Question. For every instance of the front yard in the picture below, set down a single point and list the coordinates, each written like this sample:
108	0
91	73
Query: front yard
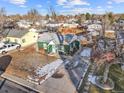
117	75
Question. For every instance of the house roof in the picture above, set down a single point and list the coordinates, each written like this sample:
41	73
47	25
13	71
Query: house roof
72	30
120	35
109	31
47	37
69	38
16	32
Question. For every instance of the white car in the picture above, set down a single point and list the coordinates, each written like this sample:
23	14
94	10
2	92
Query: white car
9	47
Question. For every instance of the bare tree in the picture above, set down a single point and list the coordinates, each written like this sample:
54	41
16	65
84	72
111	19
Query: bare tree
33	15
88	16
111	18
53	13
2	17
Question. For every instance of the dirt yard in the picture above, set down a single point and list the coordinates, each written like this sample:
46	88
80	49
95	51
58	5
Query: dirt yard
24	62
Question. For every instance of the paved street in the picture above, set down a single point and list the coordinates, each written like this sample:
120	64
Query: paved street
10	87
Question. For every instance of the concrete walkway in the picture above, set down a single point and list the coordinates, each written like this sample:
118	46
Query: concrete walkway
22	82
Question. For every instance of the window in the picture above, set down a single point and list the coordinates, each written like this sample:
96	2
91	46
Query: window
8	40
23	40
16	40
45	46
74	45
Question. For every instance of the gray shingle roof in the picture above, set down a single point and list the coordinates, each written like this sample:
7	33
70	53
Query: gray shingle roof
18	33
47	37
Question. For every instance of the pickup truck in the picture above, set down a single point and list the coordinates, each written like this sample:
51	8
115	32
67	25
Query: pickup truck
9	47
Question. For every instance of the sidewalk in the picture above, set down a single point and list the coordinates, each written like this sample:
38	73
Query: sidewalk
23	82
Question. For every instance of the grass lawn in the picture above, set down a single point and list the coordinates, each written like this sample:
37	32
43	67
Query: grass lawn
117	75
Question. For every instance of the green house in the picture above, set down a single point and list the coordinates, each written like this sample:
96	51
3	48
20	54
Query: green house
50	43
70	44
71	47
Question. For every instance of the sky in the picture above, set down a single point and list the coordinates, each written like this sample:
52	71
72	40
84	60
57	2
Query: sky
63	6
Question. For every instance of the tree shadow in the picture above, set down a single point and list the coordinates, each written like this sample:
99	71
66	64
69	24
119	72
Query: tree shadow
58	75
4	63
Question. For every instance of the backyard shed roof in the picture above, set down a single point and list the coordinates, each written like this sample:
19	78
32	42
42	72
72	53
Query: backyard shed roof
47	37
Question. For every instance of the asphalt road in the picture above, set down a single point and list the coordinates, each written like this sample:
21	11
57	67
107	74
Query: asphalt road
11	87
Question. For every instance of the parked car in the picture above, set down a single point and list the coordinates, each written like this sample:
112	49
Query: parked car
2	44
9	47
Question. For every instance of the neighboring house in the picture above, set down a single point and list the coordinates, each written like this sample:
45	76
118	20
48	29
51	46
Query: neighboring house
53	24
110	34
24	24
43	22
70	25
72	20
84	40
51	43
71	44
95	26
93	32
33	30
37	23
88	22
97	22
23	37
74	31
119	25
120	37
92	22
40	30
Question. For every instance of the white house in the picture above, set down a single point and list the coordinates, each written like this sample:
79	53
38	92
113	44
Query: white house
72	20
53	24
95	26
70	25
93	32
33	30
43	22
92	22
24	24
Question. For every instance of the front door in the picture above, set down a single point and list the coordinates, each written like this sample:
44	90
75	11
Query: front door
49	49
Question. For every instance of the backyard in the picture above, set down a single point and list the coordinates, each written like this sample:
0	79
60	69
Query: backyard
24	62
